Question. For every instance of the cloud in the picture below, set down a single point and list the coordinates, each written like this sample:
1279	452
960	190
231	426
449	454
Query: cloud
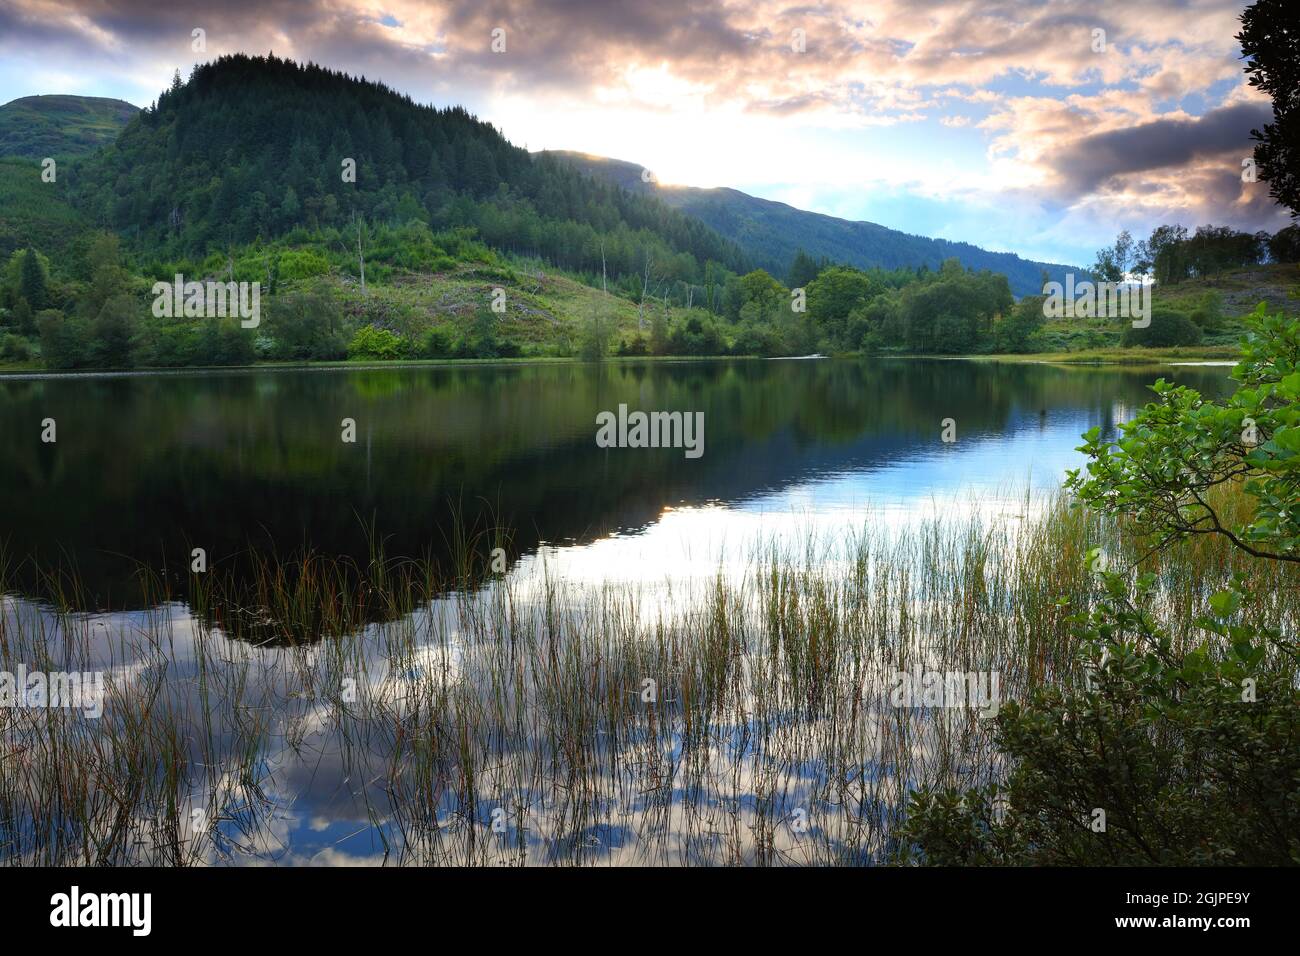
1091	162
1156	116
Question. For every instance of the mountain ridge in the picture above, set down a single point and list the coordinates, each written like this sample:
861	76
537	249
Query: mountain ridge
773	232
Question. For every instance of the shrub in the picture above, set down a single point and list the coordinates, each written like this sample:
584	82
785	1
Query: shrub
437	342
1166	329
15	348
1208	314
302	264
1158	758
370	342
636	344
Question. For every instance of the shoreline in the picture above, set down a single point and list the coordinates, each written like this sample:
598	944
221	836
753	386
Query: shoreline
1225	356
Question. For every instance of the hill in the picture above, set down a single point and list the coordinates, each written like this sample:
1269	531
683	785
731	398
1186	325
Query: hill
35	213
253	147
376	228
34	127
773	232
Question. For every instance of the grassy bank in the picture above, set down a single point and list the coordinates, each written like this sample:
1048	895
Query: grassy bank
1119	355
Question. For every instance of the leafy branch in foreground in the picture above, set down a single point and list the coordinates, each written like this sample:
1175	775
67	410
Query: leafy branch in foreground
1168	458
1160	757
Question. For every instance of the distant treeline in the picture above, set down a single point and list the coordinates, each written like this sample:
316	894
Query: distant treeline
1171	255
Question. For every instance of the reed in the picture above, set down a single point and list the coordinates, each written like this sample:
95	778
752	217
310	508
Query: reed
397	712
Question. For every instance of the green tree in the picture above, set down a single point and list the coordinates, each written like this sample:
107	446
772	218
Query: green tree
803	269
1270	42
113	333
483	341
1114	262
32	284
1167	460
1014	332
658	332
305	325
833	295
108	275
593	342
762	293
64	340
23	318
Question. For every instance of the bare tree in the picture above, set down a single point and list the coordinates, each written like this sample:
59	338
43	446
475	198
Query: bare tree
646	291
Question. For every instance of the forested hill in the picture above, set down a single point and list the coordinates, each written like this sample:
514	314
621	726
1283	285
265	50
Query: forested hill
772	232
252	147
35	127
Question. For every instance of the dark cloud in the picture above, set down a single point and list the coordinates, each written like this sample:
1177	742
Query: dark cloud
1088	164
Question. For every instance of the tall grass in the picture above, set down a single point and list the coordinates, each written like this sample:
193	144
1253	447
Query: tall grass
390	713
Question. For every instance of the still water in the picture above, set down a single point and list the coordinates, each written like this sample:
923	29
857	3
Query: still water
476	742
146	468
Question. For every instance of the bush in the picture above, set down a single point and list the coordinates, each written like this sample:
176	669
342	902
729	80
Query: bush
755	339
635	345
1166	330
1208	314
302	264
64	340
15	348
696	335
437	342
370	342
304	325
225	342
1158	758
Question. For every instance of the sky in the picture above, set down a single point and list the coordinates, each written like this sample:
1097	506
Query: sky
1041	128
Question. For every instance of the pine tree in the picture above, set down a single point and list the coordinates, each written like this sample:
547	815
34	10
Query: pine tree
32	286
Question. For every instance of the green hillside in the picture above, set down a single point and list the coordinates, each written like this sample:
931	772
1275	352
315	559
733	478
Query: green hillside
38	126
449	242
252	147
772	232
34	212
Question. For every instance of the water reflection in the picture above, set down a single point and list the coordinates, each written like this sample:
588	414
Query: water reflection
509	723
148	467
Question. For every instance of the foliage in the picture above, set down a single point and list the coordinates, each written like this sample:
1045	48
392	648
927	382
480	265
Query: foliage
1115	262
38	126
1284	246
1179	447
1162	757
370	342
304	325
1016	330
955	311
1171	256
1167	328
1270	41
15	348
214	163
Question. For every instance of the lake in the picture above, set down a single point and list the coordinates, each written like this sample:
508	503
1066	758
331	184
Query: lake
640	679
147	467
